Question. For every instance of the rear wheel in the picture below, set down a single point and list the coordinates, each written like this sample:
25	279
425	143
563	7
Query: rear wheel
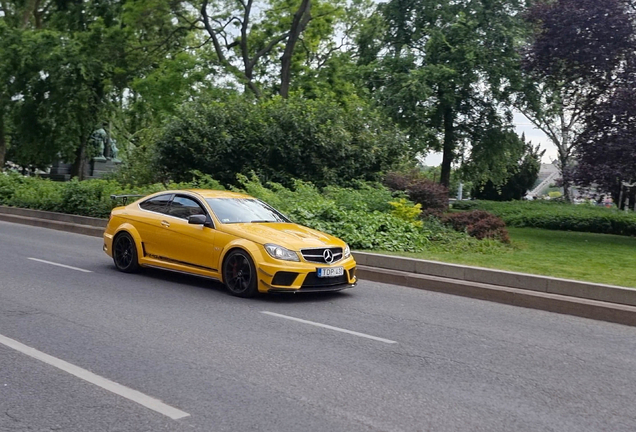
125	253
239	274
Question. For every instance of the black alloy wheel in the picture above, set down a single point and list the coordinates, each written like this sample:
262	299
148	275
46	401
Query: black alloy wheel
239	274
125	253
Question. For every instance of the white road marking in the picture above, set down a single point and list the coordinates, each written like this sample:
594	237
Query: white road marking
118	389
60	265
375	338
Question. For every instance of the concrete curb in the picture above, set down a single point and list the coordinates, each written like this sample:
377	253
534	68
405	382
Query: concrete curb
596	301
567	305
58	221
544	284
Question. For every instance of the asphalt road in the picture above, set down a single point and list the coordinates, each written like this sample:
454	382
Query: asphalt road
413	360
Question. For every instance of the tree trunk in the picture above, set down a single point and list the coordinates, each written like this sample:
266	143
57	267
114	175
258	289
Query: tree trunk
449	146
3	143
301	18
80	164
564	160
632	198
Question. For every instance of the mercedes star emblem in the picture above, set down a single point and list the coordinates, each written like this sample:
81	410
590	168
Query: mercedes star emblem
328	256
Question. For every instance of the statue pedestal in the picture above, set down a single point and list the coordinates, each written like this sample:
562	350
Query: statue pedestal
102	167
60	171
97	168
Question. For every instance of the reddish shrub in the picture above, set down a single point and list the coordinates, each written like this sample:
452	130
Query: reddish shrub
432	196
479	224
397	181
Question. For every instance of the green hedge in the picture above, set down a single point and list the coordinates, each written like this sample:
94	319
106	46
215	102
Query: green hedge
557	216
363	217
85	198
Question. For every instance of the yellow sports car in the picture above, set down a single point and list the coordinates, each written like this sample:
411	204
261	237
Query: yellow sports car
228	236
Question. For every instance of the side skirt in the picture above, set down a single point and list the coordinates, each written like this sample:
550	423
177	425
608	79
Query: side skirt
180	272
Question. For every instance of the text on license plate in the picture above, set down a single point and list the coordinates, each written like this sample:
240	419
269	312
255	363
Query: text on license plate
325	272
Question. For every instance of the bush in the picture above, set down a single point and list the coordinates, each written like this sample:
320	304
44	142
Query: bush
366	218
397	181
560	216
365	196
361	226
433	197
29	192
479	224
318	141
84	198
406	210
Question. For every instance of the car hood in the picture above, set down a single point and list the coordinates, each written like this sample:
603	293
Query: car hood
288	235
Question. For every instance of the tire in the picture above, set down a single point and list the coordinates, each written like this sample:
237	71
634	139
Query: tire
239	274
125	253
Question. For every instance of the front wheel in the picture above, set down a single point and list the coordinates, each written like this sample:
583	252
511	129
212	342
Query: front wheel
239	274
125	253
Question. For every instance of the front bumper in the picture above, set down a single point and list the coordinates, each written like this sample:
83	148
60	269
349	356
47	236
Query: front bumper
302	277
312	289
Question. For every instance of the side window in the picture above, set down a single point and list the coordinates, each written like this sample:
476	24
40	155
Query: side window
183	207
157	204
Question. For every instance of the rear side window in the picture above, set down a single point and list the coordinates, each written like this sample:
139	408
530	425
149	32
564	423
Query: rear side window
158	204
184	207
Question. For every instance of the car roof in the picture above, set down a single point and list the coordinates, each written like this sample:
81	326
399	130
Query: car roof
211	193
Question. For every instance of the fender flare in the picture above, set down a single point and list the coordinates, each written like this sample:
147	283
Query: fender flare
130	229
245	245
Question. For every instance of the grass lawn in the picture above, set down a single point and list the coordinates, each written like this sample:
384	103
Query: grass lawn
589	257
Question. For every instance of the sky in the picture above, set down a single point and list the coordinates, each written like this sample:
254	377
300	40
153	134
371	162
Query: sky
523	125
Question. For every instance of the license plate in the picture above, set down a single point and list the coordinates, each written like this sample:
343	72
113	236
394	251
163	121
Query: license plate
325	272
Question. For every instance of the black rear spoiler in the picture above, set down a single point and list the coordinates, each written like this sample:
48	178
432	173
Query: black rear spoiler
124	198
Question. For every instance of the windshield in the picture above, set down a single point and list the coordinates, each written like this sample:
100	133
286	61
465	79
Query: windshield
242	210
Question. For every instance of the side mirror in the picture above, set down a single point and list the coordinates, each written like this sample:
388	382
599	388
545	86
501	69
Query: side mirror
200	219
197	219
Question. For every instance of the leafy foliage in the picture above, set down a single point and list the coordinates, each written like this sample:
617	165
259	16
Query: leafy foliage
362	228
557	216
580	39
360	221
478	223
432	197
518	170
406	210
607	145
577	50
312	140
85	198
442	68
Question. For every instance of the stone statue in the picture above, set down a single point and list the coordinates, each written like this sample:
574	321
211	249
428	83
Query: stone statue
104	147
98	141
114	151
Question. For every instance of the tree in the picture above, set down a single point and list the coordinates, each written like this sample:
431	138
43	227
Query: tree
76	61
606	148
445	70
577	48
280	140
508	174
9	40
246	35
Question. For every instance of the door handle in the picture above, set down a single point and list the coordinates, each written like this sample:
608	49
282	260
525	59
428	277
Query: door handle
165	224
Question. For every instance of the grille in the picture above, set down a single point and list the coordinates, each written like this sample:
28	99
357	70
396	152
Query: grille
317	255
313	281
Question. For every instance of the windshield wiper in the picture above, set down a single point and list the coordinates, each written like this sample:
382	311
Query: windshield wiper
263	221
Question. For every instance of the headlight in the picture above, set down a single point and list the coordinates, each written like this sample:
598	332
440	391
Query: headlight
281	253
347	251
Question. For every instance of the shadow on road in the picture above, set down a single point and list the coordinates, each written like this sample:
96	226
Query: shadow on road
194	281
